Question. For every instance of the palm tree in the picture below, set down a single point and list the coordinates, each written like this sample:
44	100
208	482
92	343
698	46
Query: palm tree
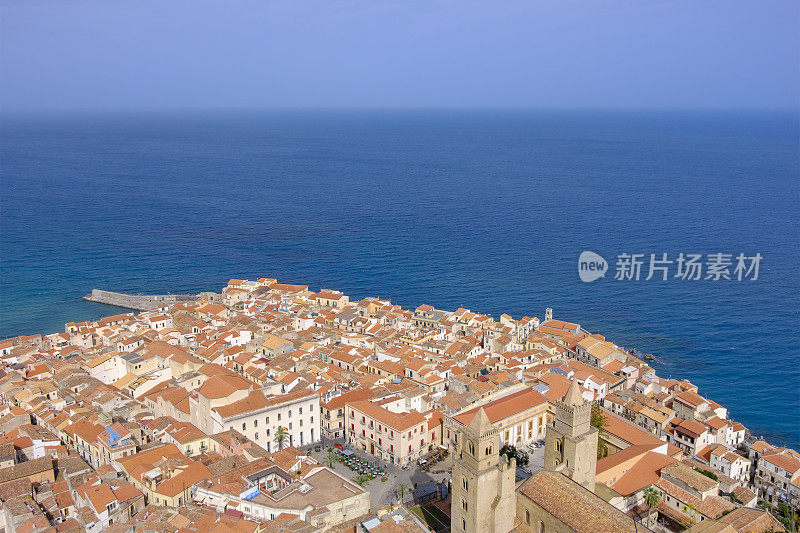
361	479
280	436
331	459
651	499
401	491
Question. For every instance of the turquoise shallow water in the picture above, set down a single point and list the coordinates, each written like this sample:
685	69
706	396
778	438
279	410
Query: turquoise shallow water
477	209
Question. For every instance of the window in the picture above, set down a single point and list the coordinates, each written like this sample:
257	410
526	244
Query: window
290	413
301	422
471	448
279	417
256	435
244	426
463	504
267	420
300	411
312	420
527	517
464	484
541	526
290	425
255	423
311	407
463	524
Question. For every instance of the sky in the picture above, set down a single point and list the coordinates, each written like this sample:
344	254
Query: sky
554	54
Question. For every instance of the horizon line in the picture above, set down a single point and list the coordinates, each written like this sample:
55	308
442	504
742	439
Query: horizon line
29	112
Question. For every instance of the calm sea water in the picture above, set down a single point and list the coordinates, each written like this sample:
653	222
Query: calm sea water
484	210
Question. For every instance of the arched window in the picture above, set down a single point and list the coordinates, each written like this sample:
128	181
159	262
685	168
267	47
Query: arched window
463	504
541	526
489	450
527	517
464	524
471	448
465	484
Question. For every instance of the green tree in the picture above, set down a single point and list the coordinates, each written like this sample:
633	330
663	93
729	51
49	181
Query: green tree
511	451
598	420
361	479
786	516
691	519
331	458
281	435
401	490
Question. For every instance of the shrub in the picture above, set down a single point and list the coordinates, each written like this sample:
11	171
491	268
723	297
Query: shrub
707	473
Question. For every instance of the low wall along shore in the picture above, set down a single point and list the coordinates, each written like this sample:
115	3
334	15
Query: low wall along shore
138	302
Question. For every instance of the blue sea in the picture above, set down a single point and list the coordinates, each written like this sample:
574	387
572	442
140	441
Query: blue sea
485	210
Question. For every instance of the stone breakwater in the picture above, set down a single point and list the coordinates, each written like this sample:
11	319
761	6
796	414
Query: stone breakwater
139	302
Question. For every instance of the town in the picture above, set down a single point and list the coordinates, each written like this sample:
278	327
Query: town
268	407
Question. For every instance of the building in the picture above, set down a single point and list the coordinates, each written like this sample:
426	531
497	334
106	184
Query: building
549	502
258	416
571	441
381	429
520	418
163	474
777	476
263	491
483	495
333	412
483	498
730	463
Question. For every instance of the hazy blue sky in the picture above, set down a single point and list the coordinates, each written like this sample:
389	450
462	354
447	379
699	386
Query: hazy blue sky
106	54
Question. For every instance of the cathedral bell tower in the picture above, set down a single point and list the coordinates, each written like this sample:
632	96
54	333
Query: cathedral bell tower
483	497
571	441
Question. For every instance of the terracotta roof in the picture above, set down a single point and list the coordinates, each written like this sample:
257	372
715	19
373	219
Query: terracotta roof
396	421
505	407
574	506
257	400
342	399
223	385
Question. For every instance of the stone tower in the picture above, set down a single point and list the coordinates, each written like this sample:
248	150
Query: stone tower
483	497
548	314
571	441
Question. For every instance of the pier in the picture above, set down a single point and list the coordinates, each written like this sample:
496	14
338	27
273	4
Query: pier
139	302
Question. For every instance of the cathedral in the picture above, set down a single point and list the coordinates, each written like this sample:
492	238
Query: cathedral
558	499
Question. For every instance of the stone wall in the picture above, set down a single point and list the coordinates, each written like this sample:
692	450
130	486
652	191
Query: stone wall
139	302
